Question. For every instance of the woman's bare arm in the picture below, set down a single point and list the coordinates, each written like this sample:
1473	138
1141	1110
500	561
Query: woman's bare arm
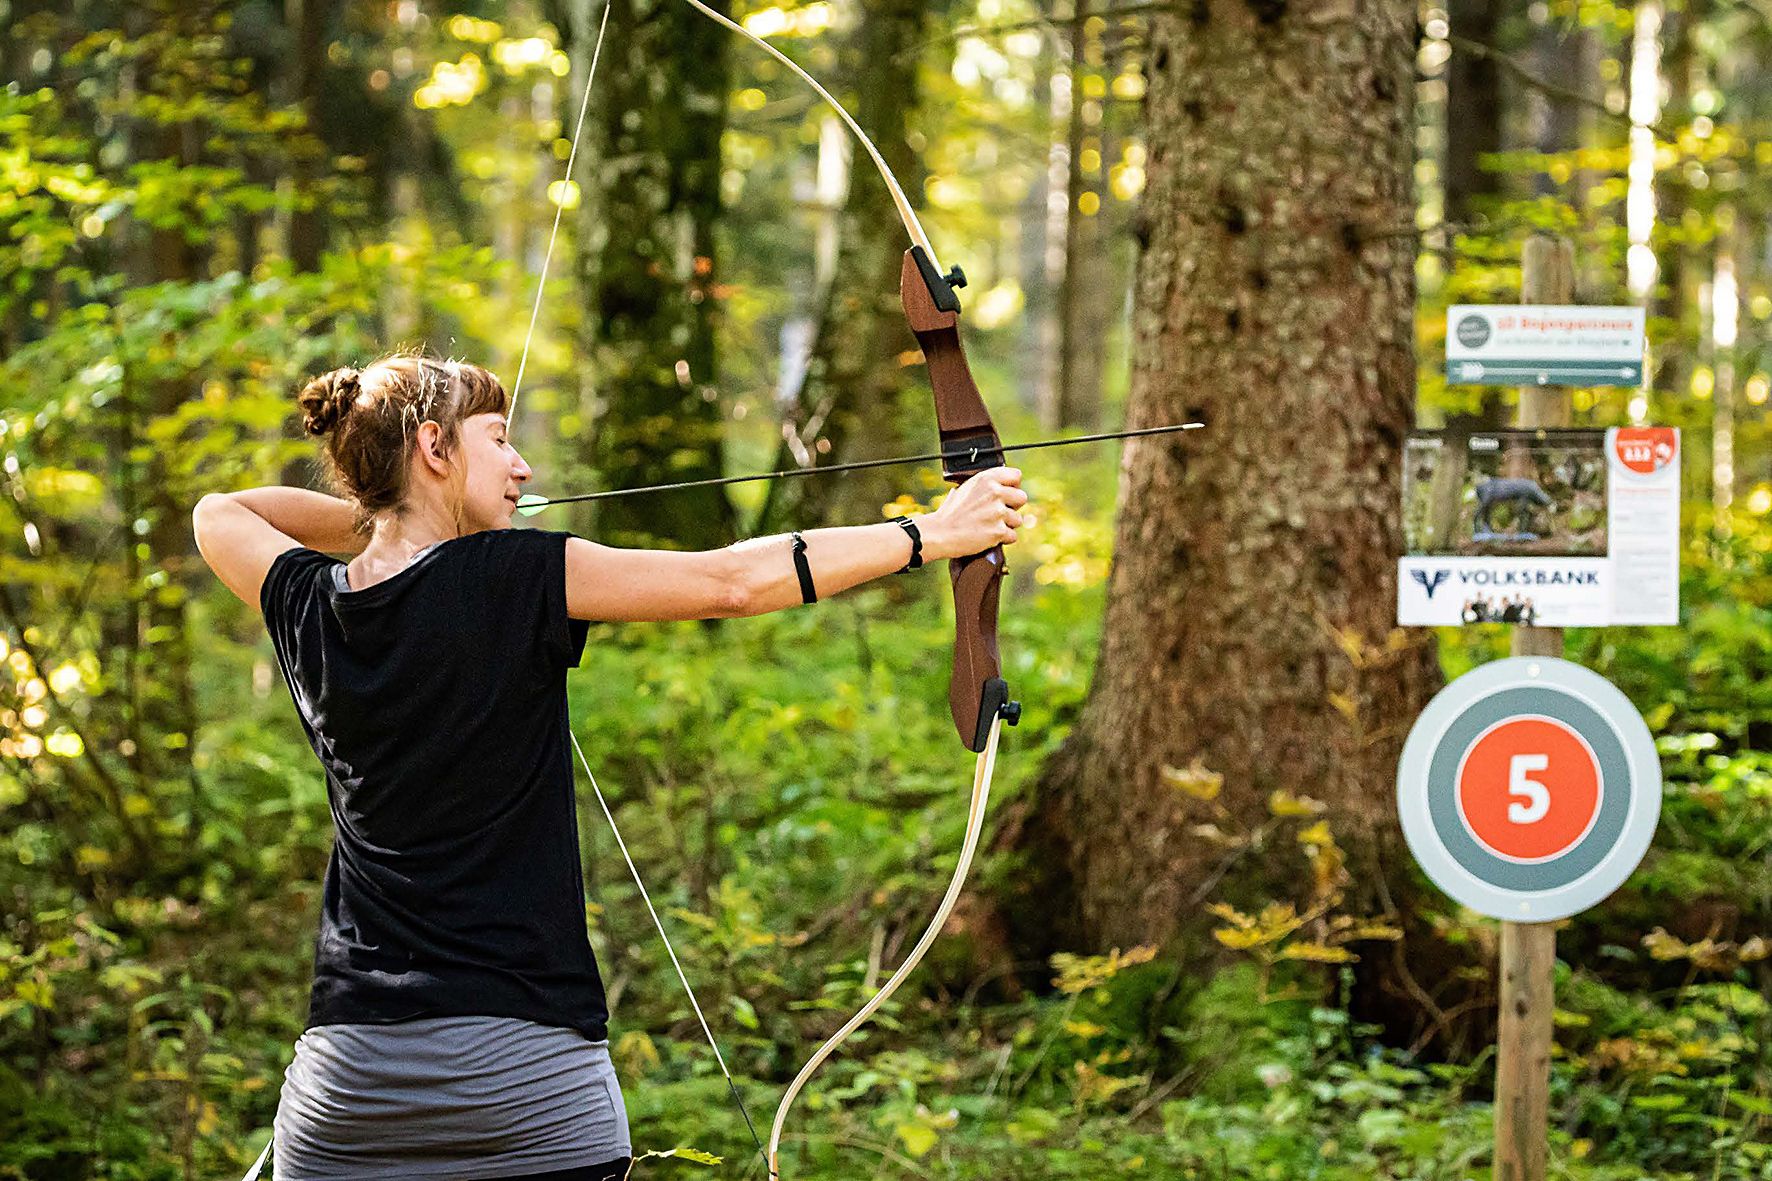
241	533
757	576
749	578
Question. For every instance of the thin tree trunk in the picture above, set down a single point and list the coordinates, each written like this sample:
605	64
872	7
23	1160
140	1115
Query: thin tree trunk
1725	319
1680	259
1473	111
1088	271
164	255
651	271
309	19
1036	357
1561	127
1555	121
1474	114
846	405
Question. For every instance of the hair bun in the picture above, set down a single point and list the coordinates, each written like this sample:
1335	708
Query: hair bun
327	398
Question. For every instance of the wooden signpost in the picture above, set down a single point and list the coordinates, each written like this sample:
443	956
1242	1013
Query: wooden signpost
1529	950
1528	790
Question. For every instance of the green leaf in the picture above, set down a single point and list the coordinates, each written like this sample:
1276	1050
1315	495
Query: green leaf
744	1012
918	1138
688	1154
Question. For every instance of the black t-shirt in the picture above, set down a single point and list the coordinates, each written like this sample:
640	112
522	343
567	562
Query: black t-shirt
436	701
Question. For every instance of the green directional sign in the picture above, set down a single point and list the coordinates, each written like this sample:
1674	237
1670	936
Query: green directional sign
1544	344
1583	373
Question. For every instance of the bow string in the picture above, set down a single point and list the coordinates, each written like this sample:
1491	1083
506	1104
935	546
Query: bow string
583	762
978	696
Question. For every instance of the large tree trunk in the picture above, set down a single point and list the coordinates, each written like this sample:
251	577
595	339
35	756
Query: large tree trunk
1274	300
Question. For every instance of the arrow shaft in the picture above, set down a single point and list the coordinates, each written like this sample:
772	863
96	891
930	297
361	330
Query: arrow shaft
854	466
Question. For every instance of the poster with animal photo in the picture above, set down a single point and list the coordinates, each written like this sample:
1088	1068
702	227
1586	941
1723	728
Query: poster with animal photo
1553	528
1526	493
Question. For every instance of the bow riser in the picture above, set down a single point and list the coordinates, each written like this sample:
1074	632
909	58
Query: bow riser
977	694
969	441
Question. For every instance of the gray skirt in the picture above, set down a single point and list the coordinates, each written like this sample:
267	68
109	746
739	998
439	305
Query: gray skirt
447	1098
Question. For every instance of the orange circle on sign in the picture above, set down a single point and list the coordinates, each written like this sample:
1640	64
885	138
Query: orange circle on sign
1529	788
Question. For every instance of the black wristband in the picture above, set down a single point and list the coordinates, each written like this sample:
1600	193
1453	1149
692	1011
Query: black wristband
808	594
910	527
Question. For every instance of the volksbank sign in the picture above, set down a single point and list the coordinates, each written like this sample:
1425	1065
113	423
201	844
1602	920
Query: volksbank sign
1533	576
1435	590
1544	344
1432	579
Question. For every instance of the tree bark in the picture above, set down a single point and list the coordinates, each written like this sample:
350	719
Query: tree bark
1038	248
1553	121
309	20
1272	303
162	254
1474	114
1680	254
1088	269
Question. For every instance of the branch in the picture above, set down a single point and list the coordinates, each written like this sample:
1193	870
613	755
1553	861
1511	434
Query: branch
1475	48
1042	23
1157	1096
885	1152
77	605
109	788
1528	78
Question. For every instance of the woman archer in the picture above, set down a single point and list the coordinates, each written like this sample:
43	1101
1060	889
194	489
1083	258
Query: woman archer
457	1026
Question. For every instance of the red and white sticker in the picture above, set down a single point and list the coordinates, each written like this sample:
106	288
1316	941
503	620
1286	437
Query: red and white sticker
1645	450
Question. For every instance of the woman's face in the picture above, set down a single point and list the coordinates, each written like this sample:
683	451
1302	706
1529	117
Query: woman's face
493	473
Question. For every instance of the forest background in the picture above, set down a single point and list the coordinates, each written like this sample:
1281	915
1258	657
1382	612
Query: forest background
1194	947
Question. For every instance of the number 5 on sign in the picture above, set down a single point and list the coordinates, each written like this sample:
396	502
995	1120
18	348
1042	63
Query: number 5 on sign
1504	788
1520	784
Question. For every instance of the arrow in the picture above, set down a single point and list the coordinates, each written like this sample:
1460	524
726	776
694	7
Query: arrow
532	504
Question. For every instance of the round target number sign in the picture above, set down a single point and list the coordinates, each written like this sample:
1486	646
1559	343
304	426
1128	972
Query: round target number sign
1529	789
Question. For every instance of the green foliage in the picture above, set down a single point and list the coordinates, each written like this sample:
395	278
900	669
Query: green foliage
1668	1081
789	785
